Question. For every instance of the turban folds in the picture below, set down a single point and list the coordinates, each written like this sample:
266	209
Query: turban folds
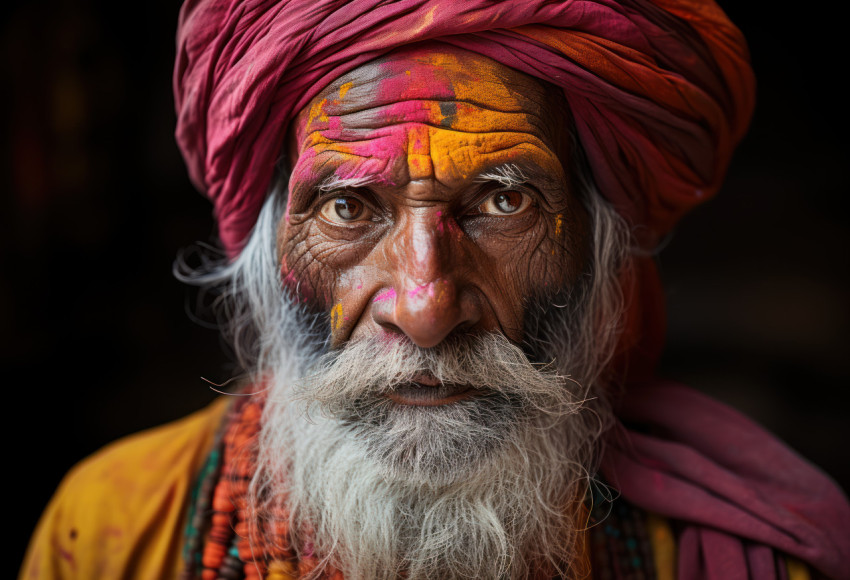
660	91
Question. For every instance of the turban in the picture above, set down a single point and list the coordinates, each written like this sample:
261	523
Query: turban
660	91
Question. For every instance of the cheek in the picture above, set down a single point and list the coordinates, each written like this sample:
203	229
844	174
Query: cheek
304	273
541	258
317	266
561	254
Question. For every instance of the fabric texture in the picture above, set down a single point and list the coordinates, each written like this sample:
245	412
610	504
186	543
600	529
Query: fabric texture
660	91
738	492
121	512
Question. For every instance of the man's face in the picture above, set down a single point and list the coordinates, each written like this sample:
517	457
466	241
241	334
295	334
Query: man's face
428	197
430	215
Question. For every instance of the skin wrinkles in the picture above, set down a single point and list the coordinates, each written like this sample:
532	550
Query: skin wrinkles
419	128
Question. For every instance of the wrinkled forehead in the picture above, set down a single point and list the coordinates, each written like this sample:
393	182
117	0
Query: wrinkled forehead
439	85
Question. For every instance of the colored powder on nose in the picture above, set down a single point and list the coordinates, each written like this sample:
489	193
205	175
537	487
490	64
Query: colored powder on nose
386	295
416	291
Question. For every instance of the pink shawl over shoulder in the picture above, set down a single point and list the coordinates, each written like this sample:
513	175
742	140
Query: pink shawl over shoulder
739	490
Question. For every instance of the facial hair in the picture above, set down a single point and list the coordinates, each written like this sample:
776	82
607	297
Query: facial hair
487	487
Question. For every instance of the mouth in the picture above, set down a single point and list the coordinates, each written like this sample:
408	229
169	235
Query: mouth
427	391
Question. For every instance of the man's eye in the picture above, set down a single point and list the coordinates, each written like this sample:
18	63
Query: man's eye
345	209
505	203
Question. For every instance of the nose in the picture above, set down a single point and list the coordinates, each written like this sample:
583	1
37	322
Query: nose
430	298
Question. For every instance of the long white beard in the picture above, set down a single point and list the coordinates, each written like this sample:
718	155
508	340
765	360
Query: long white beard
441	492
488	487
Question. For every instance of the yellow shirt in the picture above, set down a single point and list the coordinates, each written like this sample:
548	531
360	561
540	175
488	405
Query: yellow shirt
121	512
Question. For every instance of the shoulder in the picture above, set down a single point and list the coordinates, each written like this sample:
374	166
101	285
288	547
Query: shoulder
627	541
738	494
120	509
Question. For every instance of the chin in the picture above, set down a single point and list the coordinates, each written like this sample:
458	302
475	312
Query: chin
435	445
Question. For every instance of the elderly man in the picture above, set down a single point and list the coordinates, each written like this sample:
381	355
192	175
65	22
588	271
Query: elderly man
438	218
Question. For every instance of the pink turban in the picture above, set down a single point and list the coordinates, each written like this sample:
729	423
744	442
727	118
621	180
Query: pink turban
661	90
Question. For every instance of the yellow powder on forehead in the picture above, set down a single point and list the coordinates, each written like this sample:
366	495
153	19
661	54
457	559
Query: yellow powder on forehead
478	80
470	78
458	156
441	60
344	89
419	163
317	111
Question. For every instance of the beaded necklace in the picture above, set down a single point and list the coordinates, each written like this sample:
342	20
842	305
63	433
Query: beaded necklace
222	541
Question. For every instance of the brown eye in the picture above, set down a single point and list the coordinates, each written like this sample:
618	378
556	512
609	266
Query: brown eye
348	208
345	209
505	203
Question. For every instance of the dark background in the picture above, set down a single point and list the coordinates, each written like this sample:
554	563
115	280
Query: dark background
94	334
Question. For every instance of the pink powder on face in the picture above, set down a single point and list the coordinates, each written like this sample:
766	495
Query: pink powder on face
405	80
415	292
386	295
289	280
455	230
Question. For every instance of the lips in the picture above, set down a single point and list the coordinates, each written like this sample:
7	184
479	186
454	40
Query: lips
427	391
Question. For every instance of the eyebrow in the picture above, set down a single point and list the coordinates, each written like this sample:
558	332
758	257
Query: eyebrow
333	182
508	175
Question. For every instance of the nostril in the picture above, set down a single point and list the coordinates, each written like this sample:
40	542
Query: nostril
390	327
464	327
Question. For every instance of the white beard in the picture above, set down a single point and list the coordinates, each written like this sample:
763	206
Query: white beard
431	492
488	487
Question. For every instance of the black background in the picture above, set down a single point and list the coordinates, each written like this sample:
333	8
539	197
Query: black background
94	334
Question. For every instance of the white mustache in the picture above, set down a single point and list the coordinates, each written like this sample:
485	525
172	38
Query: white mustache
369	369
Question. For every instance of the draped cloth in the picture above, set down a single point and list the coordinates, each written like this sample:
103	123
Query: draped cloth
736	488
660	91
